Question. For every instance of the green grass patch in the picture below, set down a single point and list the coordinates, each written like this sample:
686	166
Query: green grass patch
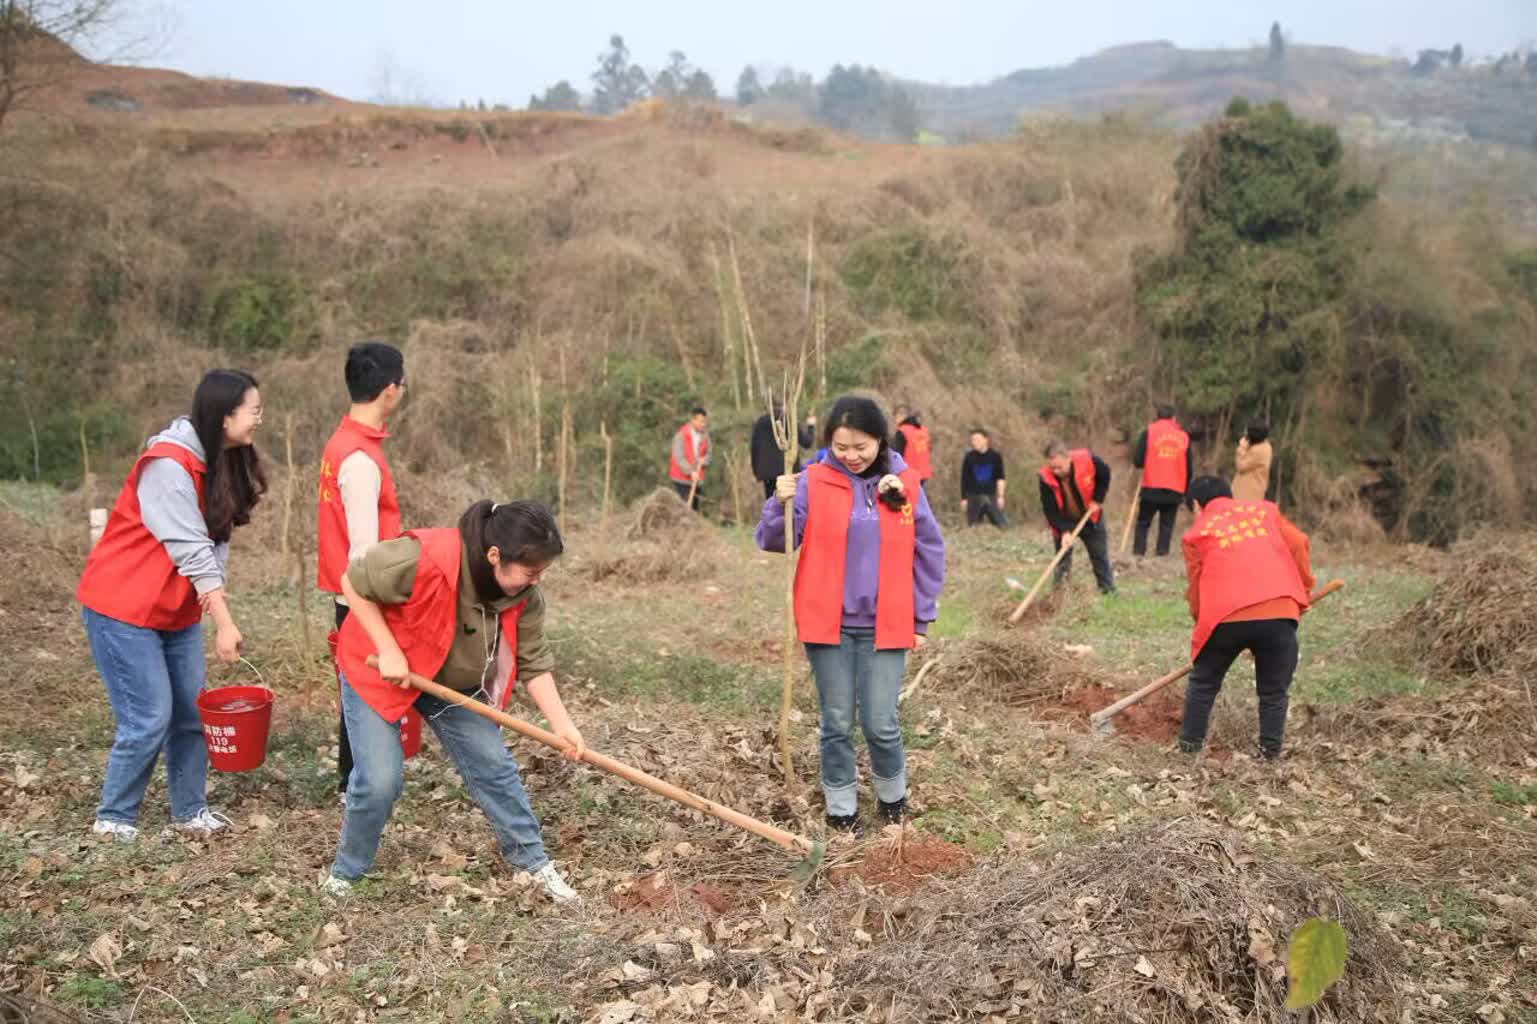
89	991
688	677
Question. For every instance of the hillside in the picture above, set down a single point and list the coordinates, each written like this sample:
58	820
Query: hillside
1182	88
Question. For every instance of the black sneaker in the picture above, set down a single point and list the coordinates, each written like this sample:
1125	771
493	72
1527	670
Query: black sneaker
1191	746
892	813
843	822
1269	755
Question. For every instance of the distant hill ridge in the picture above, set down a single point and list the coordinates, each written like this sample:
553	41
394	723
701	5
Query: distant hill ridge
1182	88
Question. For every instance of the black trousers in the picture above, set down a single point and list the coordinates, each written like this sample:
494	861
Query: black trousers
985	506
684	488
1097	541
343	743
1166	514
1274	644
768	490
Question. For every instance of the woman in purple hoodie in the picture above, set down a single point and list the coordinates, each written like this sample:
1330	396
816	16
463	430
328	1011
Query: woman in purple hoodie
866	589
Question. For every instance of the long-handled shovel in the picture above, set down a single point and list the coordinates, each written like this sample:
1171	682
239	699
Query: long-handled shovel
814	851
1101	720
1066	546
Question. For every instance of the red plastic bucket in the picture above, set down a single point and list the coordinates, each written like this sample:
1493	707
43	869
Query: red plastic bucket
410	726
236	720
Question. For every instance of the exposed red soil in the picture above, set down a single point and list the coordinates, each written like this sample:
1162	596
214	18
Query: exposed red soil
656	890
898	869
1156	719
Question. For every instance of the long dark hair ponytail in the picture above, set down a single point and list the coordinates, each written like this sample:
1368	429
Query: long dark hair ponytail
235	482
524	533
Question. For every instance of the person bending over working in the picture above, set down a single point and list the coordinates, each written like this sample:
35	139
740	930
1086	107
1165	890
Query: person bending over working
1075	482
1249	578
159	567
462	606
872	564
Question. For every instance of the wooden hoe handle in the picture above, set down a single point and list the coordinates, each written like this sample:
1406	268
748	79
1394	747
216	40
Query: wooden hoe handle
1062	550
1127	701
677	794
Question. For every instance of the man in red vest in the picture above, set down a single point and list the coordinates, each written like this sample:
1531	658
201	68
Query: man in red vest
690	455
913	443
1074	482
1249	579
1163	454
358	504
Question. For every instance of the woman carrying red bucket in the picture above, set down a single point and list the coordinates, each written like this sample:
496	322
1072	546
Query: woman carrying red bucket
158	568
462	606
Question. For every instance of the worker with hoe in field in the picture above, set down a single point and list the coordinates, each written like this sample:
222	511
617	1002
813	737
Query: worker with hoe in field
462	606
1249	577
358	506
1163	454
1074	482
158	569
867	587
1252	481
983	485
690	455
768	461
913	443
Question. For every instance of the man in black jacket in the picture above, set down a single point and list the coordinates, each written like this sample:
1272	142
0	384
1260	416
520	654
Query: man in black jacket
983	486
768	462
1074	483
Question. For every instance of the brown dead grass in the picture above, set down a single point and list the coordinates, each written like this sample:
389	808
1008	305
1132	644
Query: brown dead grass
1481	619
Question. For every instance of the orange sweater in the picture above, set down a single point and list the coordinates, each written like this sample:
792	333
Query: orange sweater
1278	608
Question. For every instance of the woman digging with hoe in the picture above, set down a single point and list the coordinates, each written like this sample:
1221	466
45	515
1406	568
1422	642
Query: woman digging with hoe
462	606
157	570
866	589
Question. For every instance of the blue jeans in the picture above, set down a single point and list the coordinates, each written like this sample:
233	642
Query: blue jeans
377	778
153	678
852	675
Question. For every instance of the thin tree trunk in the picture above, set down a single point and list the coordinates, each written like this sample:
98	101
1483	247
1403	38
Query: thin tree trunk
288	493
608	470
538	417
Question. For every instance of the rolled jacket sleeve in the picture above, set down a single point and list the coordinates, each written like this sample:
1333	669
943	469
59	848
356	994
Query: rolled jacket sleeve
386	572
535	655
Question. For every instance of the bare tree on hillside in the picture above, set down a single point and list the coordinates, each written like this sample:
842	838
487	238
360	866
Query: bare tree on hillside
40	42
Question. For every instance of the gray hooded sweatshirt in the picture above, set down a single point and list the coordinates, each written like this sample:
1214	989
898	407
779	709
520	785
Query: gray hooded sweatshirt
169	507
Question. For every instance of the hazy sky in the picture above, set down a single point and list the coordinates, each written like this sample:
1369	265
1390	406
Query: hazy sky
502	51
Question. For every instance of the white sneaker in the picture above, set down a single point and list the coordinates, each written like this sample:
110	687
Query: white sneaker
554	886
117	830
207	823
336	888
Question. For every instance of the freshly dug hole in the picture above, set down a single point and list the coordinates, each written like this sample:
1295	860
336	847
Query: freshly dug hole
1481	619
1176	922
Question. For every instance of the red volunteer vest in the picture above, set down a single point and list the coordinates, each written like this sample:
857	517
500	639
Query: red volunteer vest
677	471
824	560
1244	561
1083	475
423	626
351	436
1165	466
920	450
129	575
